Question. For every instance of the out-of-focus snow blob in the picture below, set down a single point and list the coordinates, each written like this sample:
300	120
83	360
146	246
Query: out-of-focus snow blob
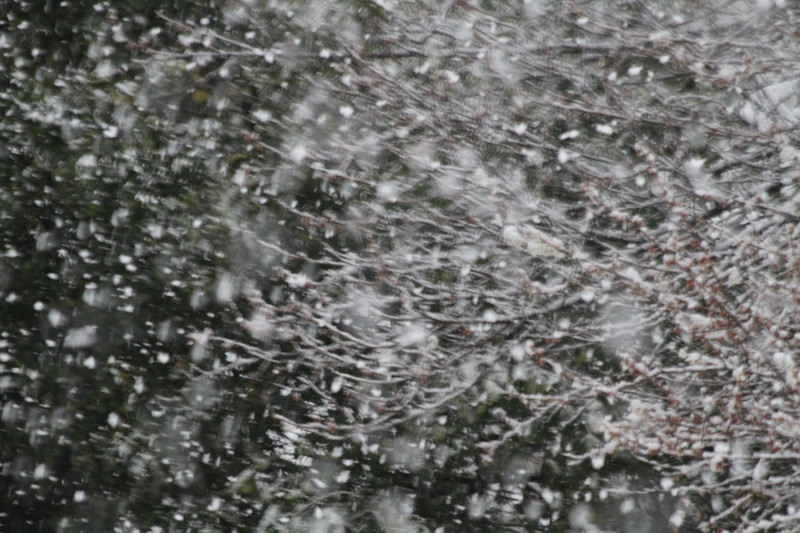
387	192
298	153
533	241
78	338
200	340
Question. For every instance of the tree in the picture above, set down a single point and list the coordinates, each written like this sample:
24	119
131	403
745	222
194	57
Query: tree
412	266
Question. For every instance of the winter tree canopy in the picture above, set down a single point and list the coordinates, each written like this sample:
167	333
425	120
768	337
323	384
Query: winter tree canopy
380	265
